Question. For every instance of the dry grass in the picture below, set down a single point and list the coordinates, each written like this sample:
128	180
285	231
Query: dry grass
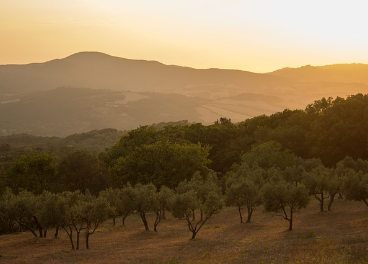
339	236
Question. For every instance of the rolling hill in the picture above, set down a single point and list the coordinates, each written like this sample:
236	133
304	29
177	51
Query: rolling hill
91	90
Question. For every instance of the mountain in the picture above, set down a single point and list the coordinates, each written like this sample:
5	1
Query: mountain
101	71
336	73
91	90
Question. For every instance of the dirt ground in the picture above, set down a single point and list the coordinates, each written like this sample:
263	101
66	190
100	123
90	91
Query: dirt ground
339	236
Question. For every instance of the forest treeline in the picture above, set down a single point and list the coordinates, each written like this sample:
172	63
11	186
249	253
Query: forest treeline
278	161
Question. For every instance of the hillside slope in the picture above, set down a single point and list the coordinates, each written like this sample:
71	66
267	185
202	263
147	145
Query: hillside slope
40	98
333	237
101	71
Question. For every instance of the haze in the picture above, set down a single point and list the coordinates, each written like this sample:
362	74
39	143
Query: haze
257	36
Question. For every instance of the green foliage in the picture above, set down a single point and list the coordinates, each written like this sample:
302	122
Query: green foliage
243	188
318	182
146	200
24	210
113	198
94	213
349	163
355	186
354	174
284	199
269	154
162	204
81	170
7	222
34	172
53	210
339	128
200	195
127	201
162	163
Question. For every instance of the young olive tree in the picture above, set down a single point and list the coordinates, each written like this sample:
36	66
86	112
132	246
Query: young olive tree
284	199
94	212
73	220
112	196
146	201
335	184
24	209
53	211
317	182
127	202
355	186
202	196
161	204
243	188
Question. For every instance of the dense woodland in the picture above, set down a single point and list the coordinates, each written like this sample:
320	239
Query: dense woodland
279	162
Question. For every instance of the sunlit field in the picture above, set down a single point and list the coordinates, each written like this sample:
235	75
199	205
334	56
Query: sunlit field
339	236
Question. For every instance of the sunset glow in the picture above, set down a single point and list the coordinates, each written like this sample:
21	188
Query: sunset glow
258	36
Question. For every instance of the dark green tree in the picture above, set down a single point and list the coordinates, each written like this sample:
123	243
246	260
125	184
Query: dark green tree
162	163
34	172
81	170
338	129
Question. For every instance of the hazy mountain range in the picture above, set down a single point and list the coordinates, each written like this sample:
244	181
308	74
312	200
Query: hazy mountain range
91	90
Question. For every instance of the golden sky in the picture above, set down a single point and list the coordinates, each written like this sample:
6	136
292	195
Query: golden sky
253	35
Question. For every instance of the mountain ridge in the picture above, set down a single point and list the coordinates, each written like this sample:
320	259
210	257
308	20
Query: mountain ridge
115	73
93	90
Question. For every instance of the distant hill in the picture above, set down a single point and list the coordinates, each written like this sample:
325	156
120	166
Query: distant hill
336	73
41	98
101	71
64	111
97	140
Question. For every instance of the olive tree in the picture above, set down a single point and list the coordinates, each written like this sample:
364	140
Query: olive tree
317	182
355	186
94	212
112	196
127	202
284	199
72	219
24	209
161	204
52	211
146	200
243	188
197	201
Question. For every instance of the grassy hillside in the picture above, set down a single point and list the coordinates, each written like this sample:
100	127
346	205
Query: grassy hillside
339	236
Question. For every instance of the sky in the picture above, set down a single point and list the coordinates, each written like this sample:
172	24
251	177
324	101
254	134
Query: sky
251	35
